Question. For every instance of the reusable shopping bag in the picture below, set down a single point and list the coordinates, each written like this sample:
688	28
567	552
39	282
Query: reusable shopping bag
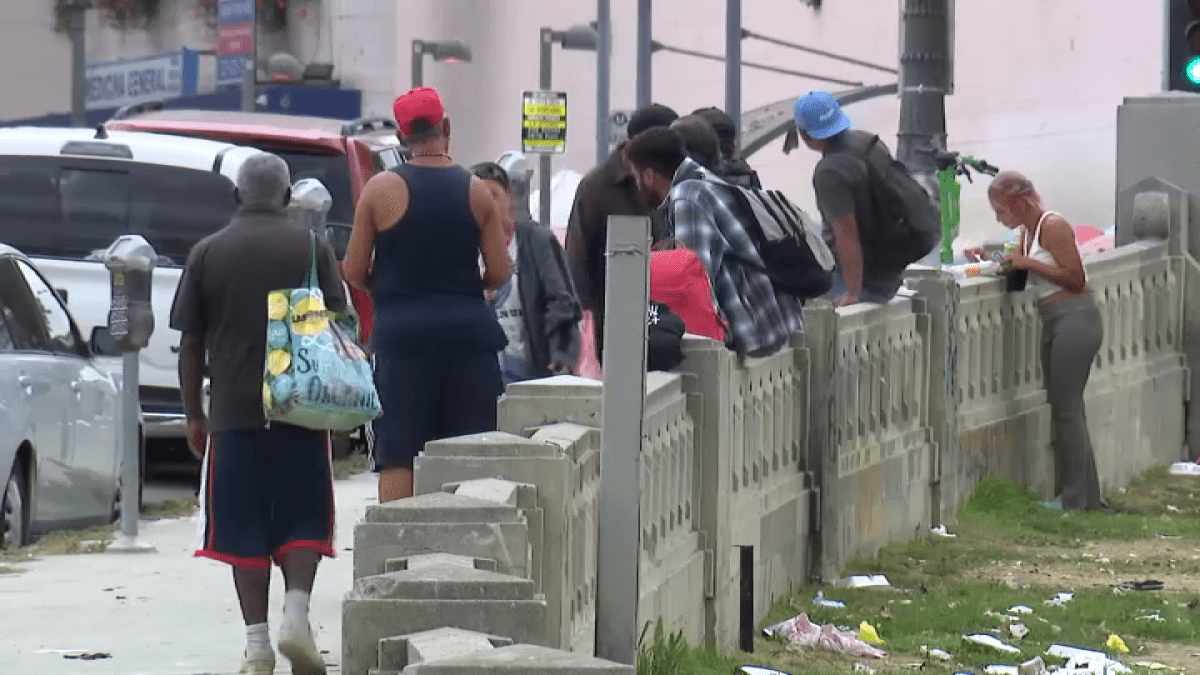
315	375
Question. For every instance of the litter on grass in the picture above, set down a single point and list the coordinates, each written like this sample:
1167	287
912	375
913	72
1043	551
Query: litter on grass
1002	670
1020	609
821	601
940	531
1185	469
1017	630
799	631
865	581
993	642
868	634
1086	661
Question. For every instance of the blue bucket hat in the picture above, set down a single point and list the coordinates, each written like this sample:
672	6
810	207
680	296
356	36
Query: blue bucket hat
819	115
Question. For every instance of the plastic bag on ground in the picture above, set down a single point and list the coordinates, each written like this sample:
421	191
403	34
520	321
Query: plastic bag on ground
799	631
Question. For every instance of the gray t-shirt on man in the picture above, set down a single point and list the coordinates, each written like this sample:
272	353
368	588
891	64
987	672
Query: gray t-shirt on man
223	295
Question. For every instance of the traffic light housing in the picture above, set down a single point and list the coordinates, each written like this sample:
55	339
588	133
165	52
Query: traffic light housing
1183	46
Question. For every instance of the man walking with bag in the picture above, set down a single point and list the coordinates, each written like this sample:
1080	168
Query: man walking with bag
267	491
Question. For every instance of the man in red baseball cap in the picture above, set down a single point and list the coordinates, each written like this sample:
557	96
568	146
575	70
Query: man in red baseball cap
419	230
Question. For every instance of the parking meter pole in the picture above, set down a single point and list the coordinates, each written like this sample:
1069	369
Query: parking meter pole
131	451
130	262
545	82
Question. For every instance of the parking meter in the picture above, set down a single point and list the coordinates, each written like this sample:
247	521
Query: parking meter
520	177
310	205
130	262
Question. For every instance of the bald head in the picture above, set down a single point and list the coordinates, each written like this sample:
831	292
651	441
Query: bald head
700	140
264	182
1011	184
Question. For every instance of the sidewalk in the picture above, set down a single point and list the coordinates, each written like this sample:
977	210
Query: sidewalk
162	613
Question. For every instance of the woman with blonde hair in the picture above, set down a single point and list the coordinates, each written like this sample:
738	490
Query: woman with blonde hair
1072	329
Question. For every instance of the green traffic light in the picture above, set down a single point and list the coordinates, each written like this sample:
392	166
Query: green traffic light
1192	70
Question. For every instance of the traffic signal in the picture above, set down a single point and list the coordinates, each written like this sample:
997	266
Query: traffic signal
1183	46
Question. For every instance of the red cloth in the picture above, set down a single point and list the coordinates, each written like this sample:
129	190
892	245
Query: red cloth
679	281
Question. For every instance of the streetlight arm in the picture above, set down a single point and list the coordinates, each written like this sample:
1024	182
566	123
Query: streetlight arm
658	46
818	52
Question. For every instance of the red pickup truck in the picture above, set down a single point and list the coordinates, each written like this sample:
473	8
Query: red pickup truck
342	154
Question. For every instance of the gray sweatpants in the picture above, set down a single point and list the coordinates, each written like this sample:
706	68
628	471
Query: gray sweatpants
1072	331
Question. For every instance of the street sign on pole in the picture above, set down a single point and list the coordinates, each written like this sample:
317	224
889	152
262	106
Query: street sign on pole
619	126
544	122
235	39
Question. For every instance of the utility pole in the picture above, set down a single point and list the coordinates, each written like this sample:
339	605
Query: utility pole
545	83
78	60
733	62
603	76
926	77
645	53
250	69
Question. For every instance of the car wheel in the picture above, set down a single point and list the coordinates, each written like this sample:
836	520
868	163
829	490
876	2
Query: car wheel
14	510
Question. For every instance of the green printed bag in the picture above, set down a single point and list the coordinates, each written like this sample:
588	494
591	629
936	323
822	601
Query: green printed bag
315	375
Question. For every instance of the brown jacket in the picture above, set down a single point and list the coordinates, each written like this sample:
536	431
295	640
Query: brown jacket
609	189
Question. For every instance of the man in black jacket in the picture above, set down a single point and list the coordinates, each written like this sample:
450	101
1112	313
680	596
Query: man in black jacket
733	168
538	307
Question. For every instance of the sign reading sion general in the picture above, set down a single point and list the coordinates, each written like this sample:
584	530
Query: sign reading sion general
114	84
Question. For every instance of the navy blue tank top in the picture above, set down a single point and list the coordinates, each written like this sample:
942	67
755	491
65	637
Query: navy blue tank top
428	285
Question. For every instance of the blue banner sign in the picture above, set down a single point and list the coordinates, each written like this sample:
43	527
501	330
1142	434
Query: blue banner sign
113	84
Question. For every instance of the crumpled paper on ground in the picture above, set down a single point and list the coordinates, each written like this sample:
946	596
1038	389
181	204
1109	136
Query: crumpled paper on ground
799	631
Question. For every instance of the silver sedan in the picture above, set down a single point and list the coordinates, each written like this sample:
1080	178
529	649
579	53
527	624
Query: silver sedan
59	464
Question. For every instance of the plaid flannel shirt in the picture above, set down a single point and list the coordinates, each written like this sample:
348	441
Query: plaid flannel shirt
704	216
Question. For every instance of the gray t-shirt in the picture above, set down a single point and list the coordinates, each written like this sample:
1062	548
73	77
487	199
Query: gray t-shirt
223	295
842	188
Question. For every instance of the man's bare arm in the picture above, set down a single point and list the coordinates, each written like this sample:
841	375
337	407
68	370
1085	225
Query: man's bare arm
848	248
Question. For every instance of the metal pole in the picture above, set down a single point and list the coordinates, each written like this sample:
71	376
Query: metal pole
250	69
924	78
925	60
645	53
78	62
619	545
733	61
545	161
603	74
418	64
131	461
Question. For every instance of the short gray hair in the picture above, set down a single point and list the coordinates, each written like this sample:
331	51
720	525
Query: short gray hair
263	181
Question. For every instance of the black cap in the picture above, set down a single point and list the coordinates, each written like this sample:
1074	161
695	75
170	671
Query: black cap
721	123
649	117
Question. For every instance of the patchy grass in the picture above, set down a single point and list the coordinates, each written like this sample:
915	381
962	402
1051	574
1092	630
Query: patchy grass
1010	550
170	509
354	464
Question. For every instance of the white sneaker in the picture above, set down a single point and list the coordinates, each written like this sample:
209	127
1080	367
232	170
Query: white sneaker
297	644
258	663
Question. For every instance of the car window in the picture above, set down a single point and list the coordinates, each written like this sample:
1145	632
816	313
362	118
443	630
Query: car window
75	208
7	344
59	328
21	315
332	170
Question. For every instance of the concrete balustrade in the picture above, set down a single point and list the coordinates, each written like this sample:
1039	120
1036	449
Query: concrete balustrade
874	425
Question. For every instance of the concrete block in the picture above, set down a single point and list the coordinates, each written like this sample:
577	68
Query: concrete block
497	490
396	653
521	660
490	444
440	507
366	621
506	543
444	583
413	562
440	522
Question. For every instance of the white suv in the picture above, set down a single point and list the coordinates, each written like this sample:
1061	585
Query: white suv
66	194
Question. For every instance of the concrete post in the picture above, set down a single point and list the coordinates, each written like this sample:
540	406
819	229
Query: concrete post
820	338
925	60
645	53
603	75
733	62
545	163
937	298
620	465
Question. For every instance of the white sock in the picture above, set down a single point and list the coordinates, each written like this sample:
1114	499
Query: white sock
295	606
258	638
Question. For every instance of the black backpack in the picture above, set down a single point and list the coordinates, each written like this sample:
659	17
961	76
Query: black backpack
907	226
664	337
794	254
